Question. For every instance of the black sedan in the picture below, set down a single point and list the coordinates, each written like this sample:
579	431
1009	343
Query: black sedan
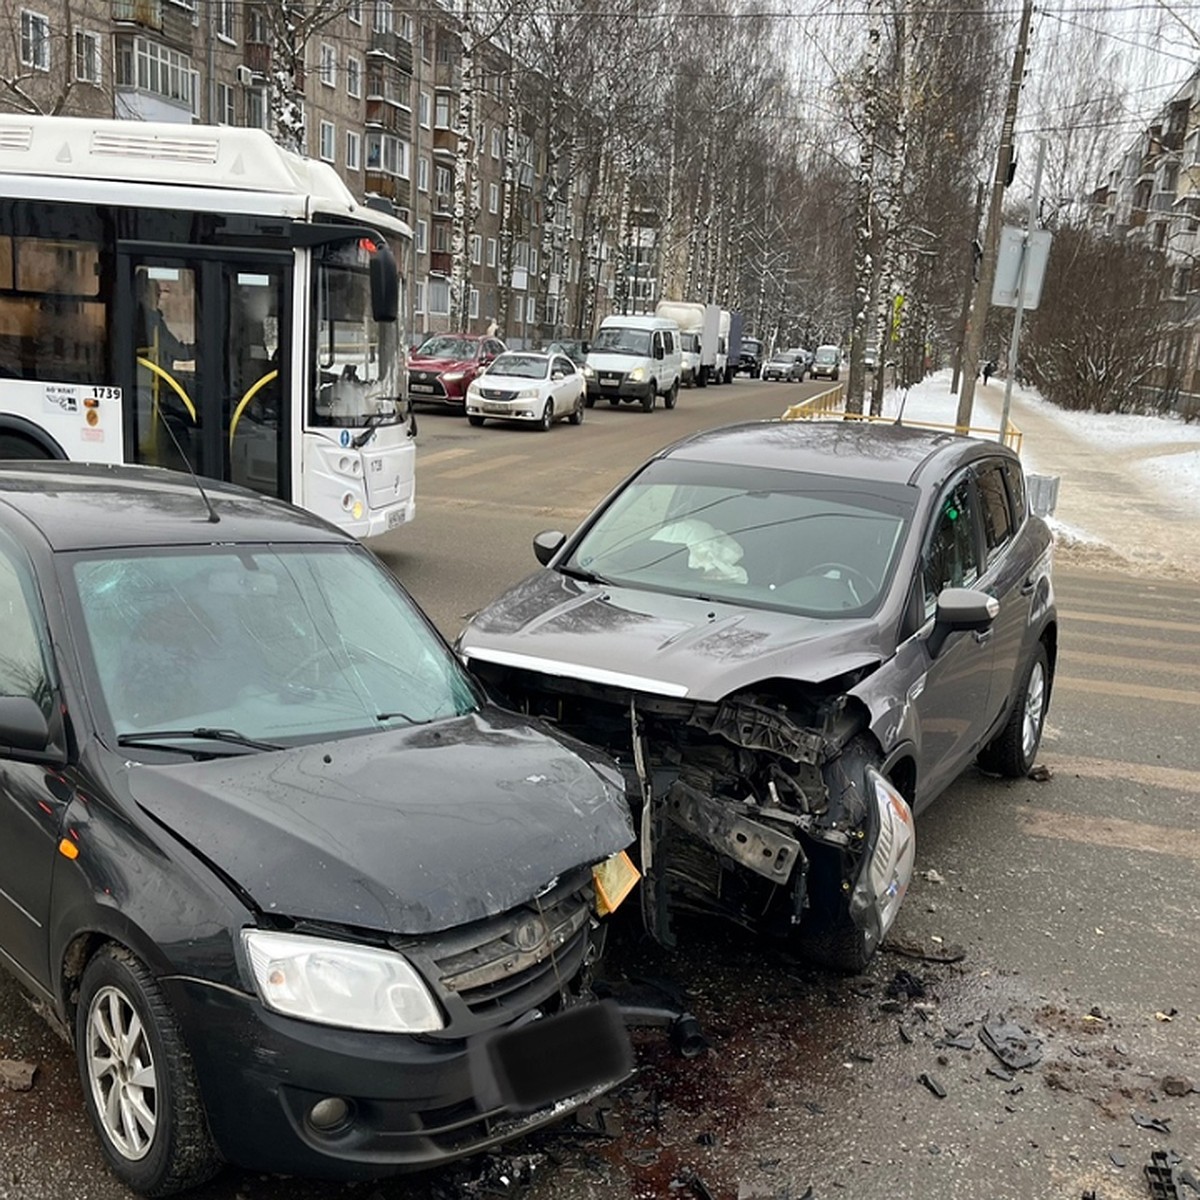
793	635
292	888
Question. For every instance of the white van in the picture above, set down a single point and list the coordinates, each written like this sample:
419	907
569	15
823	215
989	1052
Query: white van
632	360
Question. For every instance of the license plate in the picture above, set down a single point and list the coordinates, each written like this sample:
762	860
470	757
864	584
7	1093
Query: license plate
611	380
420	387
501	409
549	1060
395	518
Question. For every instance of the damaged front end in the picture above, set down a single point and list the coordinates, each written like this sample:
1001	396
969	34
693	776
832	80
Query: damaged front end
767	811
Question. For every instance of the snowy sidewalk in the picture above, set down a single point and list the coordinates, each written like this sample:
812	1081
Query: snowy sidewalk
1129	490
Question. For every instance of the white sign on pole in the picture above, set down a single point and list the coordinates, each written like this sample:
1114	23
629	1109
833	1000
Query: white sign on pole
1015	243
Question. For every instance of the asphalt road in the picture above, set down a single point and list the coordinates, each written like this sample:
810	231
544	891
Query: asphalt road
1073	902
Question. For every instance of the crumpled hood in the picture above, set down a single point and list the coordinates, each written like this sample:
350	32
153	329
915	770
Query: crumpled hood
408	831
664	644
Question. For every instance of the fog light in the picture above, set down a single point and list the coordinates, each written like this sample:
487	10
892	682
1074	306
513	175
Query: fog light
329	1114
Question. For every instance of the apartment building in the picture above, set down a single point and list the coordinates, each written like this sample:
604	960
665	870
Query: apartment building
378	87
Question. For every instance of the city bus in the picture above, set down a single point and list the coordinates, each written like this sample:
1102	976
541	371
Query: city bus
197	297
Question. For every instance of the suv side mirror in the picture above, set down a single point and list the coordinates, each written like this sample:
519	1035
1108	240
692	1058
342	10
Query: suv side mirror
961	609
22	725
547	544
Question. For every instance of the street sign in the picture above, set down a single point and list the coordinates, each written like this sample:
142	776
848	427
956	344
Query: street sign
1034	247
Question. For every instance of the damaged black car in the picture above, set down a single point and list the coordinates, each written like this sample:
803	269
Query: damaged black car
299	897
792	636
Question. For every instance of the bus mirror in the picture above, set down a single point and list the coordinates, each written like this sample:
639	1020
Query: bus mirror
385	285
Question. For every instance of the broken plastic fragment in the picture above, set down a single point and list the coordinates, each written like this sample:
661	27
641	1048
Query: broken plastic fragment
1013	1046
1157	1124
932	1084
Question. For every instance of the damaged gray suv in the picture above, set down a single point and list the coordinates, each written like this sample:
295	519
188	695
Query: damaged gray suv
792	636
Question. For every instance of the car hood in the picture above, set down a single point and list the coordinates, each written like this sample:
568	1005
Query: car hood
410	831
624	363
509	382
654	642
417	362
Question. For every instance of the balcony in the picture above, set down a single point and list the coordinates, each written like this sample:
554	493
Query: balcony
397	190
445	141
440	262
447	76
380	114
442	205
174	23
258	57
392	45
1162	201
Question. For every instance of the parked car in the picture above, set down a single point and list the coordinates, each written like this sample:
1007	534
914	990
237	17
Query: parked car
787	365
793	635
441	368
536	389
574	348
826	363
270	861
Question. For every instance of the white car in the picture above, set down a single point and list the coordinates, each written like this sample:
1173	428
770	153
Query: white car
537	389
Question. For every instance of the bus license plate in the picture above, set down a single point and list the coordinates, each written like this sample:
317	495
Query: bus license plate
395	518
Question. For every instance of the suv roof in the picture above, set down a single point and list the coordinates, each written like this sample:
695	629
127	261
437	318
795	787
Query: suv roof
86	506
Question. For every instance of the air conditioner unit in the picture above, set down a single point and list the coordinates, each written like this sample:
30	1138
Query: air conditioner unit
245	76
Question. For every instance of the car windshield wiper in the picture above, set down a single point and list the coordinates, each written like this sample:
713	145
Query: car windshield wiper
585	576
402	716
202	733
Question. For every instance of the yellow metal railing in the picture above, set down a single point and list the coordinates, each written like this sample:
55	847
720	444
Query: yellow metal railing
830	404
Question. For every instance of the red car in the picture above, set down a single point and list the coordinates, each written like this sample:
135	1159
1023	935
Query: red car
441	367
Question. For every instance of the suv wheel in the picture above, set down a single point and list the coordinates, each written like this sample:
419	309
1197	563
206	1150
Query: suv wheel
1012	751
650	396
673	395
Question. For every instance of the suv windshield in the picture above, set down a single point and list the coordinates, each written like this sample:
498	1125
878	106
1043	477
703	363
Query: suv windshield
275	643
358	360
522	366
621	340
807	544
826	354
451	349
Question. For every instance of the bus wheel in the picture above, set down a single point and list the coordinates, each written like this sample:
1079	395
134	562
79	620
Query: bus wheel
15	445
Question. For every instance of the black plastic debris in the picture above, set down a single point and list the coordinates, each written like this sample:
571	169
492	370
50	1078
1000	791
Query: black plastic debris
1015	1047
1001	1073
1156	1123
905	1036
688	1181
938	953
1117	1158
932	1084
956	1041
706	1139
1162	1175
906	984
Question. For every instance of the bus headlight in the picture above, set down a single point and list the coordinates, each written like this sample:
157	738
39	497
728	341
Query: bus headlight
353	505
349	465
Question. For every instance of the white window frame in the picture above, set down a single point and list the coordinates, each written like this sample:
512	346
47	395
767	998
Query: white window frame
491	252
35	40
354	76
424	109
353	151
419	296
327	141
226	113
493	197
421	237
440	287
87	50
383	19
327	71
497	144
223	21
354	12
473	304
476	249
530	310
438	121
422	174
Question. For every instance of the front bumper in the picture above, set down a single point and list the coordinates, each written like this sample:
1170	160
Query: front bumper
625	390
412	1103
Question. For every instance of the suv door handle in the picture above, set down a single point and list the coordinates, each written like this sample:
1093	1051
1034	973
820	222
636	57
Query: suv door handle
1028	586
983	635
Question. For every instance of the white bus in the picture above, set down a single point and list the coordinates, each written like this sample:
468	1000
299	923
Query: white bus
197	296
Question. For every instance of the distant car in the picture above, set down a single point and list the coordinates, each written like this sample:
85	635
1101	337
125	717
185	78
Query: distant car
269	858
793	635
787	365
869	361
574	348
826	363
750	359
534	389
441	368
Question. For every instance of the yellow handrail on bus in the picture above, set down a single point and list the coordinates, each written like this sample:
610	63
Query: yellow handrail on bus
250	394
155	369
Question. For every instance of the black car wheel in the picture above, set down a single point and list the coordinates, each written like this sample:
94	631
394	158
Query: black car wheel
589	400
547	417
1012	751
649	397
139	1084
673	395
615	401
576	417
474	419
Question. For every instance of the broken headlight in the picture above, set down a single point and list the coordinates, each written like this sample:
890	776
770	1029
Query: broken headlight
888	866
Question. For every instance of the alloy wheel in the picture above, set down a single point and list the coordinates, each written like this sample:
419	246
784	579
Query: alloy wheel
122	1074
1035	707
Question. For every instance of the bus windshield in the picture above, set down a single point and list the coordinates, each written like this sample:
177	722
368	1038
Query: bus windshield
356	380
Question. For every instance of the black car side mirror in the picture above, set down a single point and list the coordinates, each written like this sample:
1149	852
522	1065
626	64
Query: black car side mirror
22	725
960	610
547	544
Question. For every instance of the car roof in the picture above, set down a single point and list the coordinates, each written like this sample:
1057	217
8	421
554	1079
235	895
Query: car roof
887	453
90	506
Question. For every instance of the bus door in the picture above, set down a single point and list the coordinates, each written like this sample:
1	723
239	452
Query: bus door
204	352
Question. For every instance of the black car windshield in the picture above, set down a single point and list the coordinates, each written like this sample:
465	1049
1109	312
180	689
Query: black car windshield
623	340
452	349
810	544
269	644
521	366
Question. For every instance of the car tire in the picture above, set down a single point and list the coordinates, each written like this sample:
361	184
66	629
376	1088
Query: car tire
547	417
650	396
673	395
576	417
614	401
1012	751
474	419
118	993
589	401
702	378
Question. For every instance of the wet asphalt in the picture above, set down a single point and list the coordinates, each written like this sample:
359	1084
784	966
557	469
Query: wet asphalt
1068	905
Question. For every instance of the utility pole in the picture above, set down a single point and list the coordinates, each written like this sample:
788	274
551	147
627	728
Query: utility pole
991	244
968	288
1034	204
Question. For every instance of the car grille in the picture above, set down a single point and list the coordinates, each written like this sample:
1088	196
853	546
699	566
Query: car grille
495	394
492	971
425	383
610	379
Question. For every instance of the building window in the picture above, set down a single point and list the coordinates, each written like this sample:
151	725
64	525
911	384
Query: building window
441	237
35	40
427	43
149	67
328	72
439	297
87	57
327	143
476	249
423	107
423	175
497	143
491	259
388	153
532	261
443	181
493	198
421	241
353	150
419	296
223	19
473	304
530	310
353	77
354	11
256	25
226	113
383	19
406	27
441	111
256	108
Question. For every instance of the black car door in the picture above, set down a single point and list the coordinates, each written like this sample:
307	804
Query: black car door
30	810
951	699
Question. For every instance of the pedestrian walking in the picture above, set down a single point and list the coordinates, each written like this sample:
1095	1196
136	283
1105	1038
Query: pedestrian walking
989	369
